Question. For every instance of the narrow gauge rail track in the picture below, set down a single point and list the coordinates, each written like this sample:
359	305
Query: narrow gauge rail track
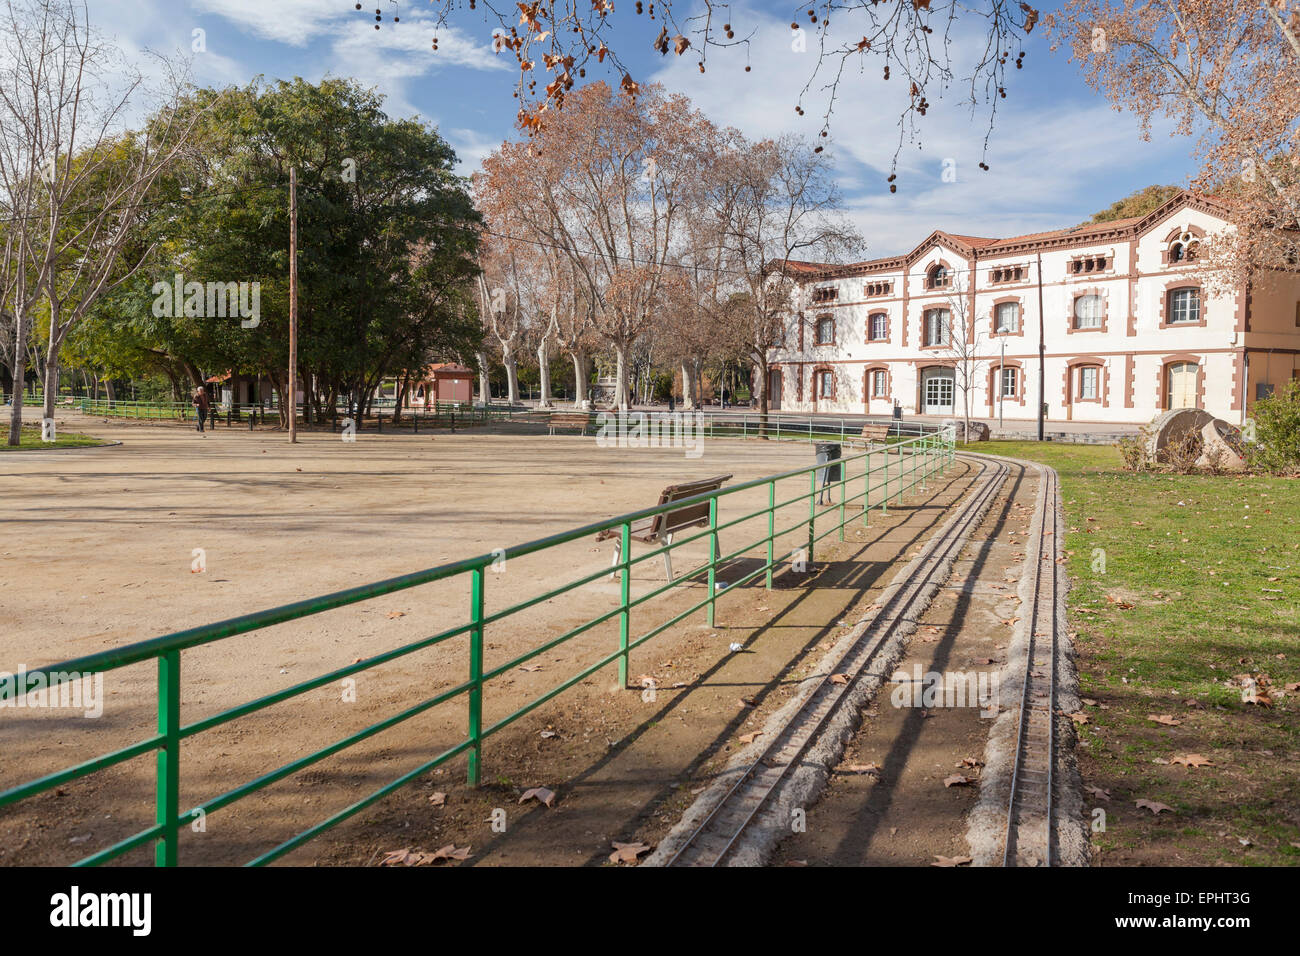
713	841
1031	805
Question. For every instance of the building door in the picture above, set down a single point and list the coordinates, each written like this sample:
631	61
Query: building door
937	391
774	386
1180	385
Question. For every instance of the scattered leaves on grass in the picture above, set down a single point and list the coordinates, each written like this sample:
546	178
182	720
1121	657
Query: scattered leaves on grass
541	794
1079	717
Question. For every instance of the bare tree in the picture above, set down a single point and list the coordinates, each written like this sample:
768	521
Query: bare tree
74	177
1227	71
786	207
963	346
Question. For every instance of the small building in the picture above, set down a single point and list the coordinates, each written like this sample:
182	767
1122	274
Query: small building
443	382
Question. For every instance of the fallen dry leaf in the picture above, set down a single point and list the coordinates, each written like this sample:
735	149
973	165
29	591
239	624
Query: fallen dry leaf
1099	793
393	614
869	768
1153	806
950	860
1191	760
956	780
628	852
750	738
839	678
541	794
438	799
1169	720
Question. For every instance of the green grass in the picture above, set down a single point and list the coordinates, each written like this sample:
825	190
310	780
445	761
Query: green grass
29	439
1211	566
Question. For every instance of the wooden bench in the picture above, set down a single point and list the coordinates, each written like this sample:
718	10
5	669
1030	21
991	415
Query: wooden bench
579	420
872	431
662	526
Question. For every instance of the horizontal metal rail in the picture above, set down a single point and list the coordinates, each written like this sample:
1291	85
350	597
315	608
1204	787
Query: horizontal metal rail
882	472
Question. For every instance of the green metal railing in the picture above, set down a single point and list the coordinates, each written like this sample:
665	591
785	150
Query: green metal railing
871	478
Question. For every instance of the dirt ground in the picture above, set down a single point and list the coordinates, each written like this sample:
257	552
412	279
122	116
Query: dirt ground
98	552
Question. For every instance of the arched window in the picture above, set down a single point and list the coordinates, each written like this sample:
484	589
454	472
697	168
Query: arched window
1006	318
936	327
877	327
939	277
1184	248
1088	311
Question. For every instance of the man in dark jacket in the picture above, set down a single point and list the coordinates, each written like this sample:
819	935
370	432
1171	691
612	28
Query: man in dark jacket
201	406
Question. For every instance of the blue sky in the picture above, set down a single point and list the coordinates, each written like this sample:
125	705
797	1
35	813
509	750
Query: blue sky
1058	153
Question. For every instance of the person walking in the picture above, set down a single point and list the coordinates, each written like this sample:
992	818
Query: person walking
201	406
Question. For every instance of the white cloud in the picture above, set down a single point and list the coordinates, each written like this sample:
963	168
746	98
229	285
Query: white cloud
1050	164
295	22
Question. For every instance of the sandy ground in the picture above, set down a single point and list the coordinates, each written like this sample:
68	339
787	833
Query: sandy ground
97	551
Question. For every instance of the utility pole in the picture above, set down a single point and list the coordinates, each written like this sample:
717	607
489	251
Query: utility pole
293	305
1042	351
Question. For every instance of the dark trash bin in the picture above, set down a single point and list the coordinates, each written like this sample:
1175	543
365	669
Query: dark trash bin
828	452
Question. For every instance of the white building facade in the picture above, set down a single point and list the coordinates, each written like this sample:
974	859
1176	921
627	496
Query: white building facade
1126	323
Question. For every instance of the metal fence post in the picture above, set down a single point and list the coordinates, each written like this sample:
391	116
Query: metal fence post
866	487
713	559
812	512
168	780
884	502
771	529
475	674
625	594
925	461
844	485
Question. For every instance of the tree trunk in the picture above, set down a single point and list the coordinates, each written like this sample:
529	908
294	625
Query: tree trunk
581	375
544	372
484	390
20	364
620	378
760	388
512	378
401	397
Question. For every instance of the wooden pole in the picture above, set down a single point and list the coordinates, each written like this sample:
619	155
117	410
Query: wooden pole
293	305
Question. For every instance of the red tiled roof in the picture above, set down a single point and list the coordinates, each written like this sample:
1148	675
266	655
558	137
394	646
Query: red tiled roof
1057	237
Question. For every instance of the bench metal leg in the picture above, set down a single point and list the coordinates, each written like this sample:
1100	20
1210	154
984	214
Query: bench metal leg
668	557
618	555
